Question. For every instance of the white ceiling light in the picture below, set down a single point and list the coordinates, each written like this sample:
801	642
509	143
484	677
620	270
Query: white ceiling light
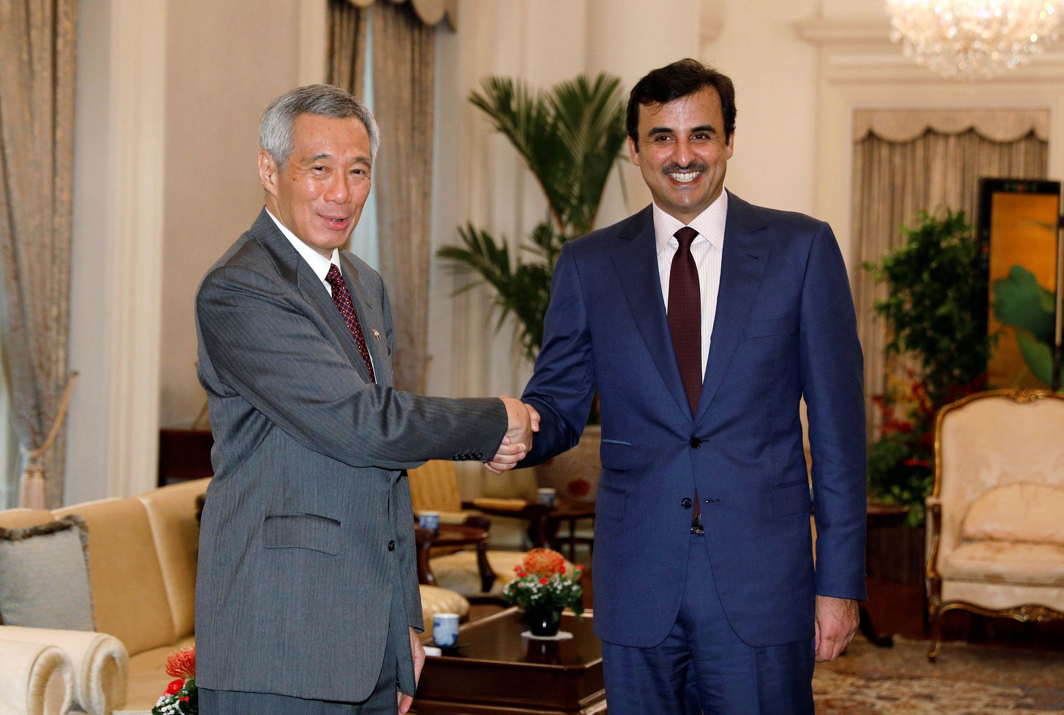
973	38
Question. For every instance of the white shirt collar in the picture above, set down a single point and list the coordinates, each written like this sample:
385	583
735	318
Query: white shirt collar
709	224
318	263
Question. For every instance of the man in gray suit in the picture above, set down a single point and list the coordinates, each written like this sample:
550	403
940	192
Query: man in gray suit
307	598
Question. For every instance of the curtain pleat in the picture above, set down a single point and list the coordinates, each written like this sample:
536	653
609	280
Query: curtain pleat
893	182
403	80
37	53
347	40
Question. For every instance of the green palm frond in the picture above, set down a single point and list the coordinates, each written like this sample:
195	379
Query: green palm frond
570	137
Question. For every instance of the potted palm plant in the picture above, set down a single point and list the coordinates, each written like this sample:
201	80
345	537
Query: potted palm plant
570	137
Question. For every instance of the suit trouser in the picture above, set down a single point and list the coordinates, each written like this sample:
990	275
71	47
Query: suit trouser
382	701
703	667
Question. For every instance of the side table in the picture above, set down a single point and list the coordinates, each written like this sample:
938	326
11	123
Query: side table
454	535
879	515
570	512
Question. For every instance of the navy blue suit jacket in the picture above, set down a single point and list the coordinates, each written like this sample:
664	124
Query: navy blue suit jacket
784	329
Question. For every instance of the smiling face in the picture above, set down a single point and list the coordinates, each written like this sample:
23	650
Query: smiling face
682	152
319	193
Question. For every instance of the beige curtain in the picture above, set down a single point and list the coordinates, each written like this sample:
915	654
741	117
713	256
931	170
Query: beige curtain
894	180
346	44
403	81
37	54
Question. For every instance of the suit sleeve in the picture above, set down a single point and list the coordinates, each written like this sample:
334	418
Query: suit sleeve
563	383
832	382
268	352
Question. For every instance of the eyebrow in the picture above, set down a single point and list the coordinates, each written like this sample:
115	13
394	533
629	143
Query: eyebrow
654	131
325	155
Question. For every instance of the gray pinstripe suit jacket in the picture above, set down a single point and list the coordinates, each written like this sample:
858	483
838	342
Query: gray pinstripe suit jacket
306	543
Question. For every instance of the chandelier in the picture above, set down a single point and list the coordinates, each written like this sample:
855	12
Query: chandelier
973	38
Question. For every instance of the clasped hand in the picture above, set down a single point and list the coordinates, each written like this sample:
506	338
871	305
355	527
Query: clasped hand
521	421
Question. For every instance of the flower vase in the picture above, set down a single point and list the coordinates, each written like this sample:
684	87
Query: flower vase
543	621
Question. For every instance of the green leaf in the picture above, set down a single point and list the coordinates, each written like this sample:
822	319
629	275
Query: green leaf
1021	302
1037	355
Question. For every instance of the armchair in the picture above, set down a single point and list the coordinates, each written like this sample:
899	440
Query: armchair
995	534
434	486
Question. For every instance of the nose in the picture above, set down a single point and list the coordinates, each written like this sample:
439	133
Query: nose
338	191
682	153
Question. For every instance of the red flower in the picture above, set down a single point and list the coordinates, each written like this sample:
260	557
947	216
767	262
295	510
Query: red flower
914	462
175	686
182	663
543	580
544	562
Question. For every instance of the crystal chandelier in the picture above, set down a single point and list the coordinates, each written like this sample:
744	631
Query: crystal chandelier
973	38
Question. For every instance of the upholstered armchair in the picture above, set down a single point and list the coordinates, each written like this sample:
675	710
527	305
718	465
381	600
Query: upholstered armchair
995	529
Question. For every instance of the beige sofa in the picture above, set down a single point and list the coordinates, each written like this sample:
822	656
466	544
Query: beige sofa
142	567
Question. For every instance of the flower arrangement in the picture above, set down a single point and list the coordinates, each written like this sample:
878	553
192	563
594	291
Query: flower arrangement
541	581
180	697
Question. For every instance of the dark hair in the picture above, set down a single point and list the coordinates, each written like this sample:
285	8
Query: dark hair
676	80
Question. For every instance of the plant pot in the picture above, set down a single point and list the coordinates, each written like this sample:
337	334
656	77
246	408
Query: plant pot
543	620
574	475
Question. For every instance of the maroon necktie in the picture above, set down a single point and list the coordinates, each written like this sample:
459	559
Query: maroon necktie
342	297
685	316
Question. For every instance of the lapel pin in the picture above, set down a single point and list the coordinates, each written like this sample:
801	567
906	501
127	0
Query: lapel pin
376	334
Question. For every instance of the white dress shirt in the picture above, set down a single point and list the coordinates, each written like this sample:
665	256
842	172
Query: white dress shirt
706	249
317	262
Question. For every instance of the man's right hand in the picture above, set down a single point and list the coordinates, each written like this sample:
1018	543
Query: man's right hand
521	421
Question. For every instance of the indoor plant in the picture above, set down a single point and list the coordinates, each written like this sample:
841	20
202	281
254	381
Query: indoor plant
936	312
542	589
181	696
570	138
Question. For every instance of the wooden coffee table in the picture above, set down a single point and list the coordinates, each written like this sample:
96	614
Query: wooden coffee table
494	670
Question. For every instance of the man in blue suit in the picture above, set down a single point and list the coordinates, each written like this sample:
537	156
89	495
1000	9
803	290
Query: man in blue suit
702	321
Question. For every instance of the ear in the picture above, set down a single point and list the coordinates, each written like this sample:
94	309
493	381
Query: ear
268	172
730	146
633	151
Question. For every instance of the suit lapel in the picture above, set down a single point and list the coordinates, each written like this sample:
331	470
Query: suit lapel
636	263
372	320
745	254
307	284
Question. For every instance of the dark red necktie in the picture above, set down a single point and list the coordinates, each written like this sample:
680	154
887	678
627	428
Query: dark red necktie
342	297
685	316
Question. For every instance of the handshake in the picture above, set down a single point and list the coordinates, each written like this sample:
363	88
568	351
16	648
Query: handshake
521	421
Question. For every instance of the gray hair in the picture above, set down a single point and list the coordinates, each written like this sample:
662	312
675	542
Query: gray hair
275	128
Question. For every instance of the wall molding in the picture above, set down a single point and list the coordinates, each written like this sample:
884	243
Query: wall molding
860	68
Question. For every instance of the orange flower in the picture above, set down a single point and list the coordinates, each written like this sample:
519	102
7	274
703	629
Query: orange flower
544	562
182	663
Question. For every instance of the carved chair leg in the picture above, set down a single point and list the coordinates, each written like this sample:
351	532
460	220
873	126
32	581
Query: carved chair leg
936	635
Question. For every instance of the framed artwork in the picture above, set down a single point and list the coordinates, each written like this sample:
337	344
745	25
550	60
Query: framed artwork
1018	222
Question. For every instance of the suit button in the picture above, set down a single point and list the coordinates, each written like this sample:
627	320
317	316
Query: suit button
695	443
391	546
686	502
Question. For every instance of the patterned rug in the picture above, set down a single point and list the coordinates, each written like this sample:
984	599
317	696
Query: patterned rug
966	680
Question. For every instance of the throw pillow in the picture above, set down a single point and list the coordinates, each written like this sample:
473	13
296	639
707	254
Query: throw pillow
45	580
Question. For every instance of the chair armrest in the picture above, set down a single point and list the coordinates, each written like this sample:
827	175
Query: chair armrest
35	678
99	663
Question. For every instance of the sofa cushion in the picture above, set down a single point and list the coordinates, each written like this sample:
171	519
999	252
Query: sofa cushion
45	580
1006	562
172	514
1017	512
128	593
